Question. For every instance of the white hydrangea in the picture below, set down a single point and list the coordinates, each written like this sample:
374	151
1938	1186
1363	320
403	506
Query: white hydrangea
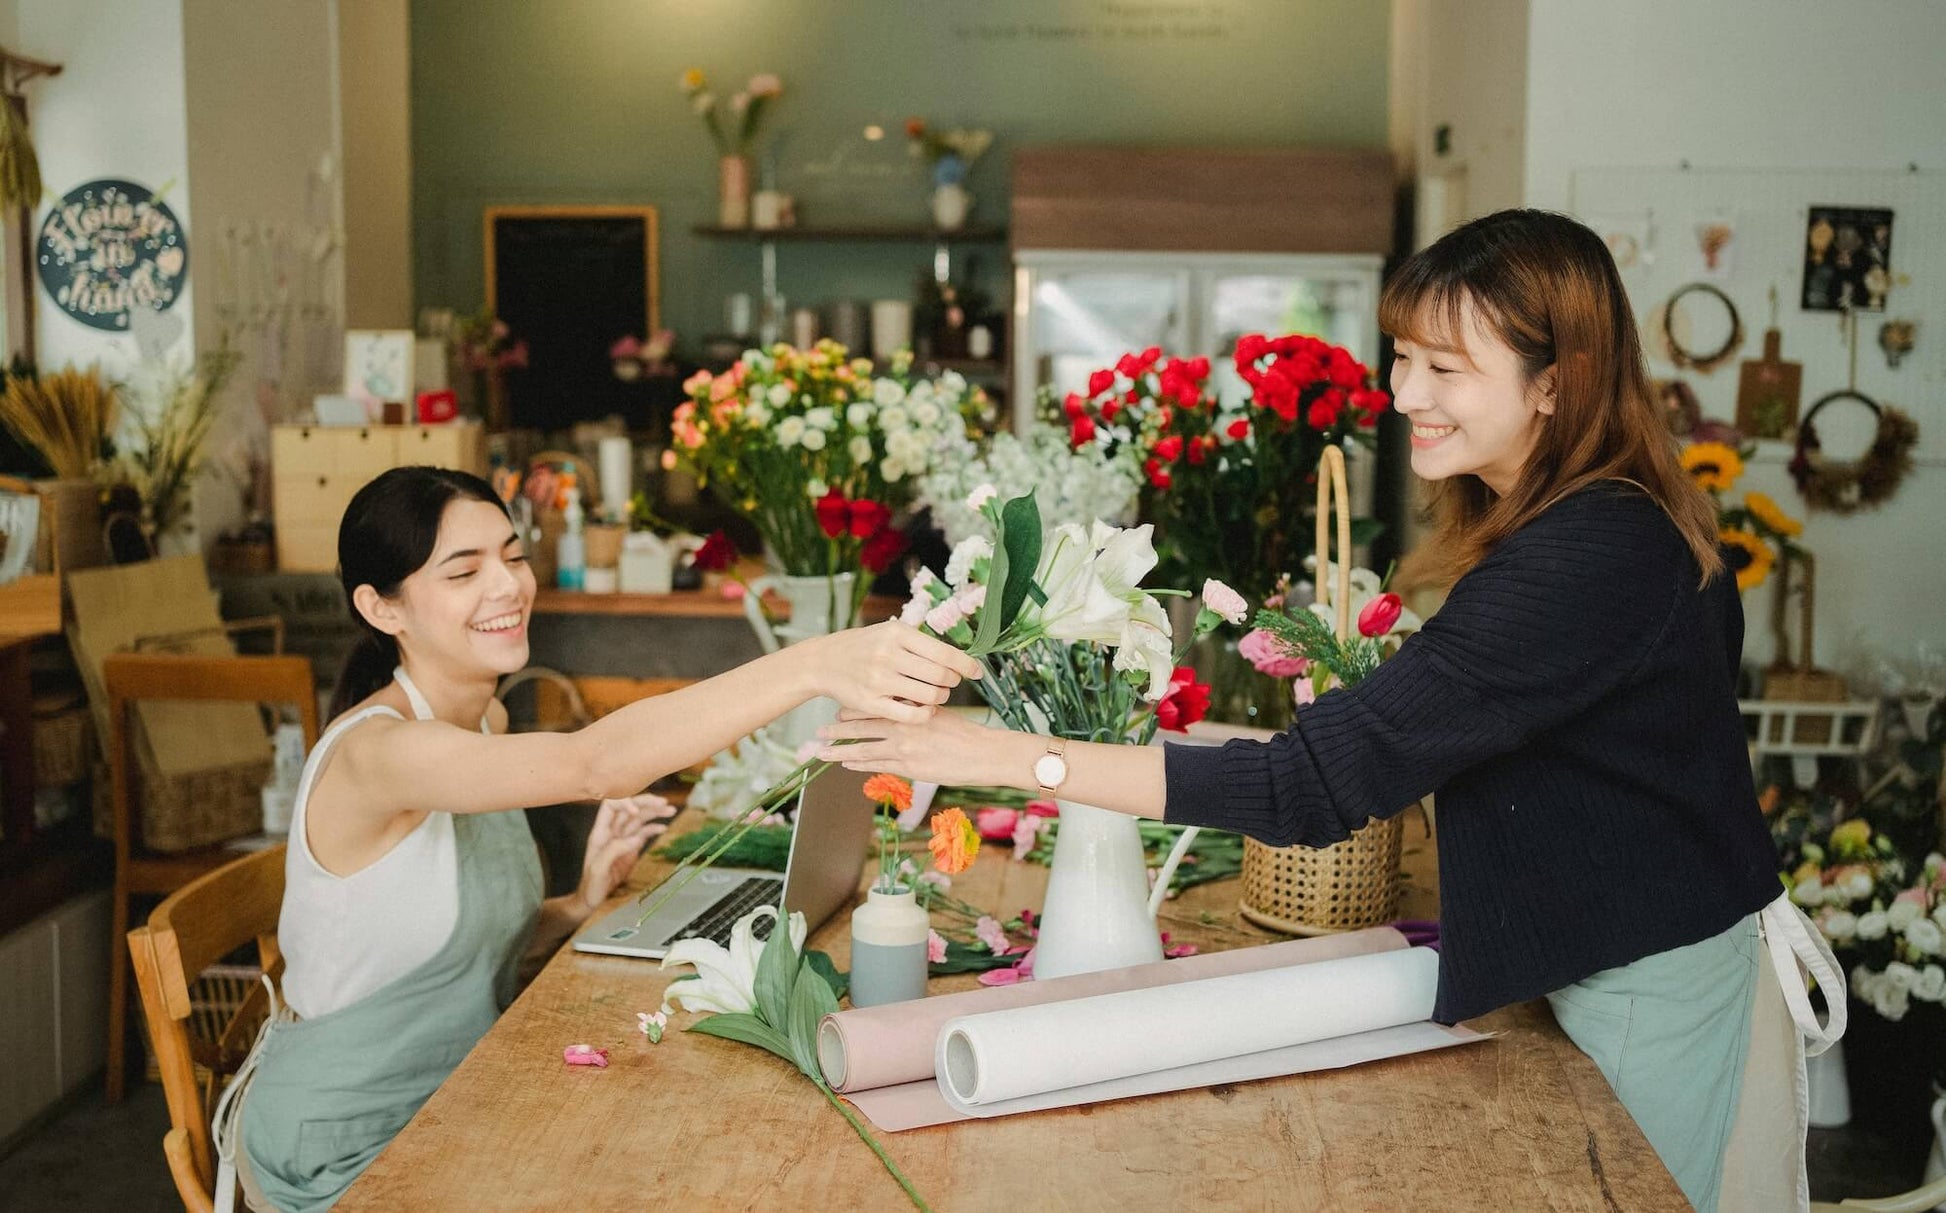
960	565
1069	486
789	432
1872	926
1903	914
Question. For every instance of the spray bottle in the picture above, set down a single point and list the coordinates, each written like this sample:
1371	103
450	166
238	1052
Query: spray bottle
571	555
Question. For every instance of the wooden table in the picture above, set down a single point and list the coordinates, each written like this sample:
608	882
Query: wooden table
1521	1122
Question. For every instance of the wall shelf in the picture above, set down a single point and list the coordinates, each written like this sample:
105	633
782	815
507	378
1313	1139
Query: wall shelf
856	234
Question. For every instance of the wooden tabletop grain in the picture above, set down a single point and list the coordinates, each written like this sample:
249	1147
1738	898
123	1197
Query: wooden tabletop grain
1524	1121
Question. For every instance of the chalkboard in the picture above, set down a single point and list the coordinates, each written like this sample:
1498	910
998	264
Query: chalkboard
570	281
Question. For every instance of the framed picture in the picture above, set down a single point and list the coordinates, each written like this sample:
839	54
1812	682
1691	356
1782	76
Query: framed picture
378	364
1847	259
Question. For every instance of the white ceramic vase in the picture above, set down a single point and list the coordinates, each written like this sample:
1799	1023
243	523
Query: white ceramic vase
888	948
819	606
1100	912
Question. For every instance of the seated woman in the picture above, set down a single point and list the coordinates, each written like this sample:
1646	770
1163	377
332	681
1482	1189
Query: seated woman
1572	705
412	890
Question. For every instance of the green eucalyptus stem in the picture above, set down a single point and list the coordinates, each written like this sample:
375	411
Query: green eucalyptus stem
912	1193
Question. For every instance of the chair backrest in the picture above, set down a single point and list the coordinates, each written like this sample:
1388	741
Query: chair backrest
131	677
193	928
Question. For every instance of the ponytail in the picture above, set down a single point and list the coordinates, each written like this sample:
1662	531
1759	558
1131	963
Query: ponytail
368	666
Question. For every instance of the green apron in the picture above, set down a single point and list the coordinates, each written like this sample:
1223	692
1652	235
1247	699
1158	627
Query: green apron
329	1093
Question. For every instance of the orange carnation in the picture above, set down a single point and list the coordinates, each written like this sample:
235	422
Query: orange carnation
889	790
954	842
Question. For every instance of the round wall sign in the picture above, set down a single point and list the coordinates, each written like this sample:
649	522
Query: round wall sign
109	248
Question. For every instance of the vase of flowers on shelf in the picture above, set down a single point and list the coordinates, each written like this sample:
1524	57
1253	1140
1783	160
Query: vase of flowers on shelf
733	138
488	350
951	155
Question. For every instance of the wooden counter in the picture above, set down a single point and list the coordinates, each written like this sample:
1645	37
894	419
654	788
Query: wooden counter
1525	1121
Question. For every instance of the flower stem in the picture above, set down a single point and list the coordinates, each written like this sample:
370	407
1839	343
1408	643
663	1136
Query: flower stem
912	1193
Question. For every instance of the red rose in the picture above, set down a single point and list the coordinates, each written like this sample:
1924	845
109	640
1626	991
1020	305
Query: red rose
1151	356
834	514
1379	615
1110	409
1100	382
1185	703
1165	417
1345	371
867	517
1199	368
1199	449
1239	429
1325	409
1082	432
1157	474
716	554
1134	396
1251	347
882	549
1129	366
1169	449
1074	405
1278	393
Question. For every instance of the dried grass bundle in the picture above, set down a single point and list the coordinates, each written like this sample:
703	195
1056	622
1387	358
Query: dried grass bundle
66	416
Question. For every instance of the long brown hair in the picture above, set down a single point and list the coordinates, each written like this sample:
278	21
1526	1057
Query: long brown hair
1546	287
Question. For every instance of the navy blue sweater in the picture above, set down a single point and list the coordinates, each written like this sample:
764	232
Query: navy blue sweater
1573	708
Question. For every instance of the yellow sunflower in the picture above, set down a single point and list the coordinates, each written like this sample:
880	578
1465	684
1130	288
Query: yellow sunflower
1747	556
1770	517
1715	465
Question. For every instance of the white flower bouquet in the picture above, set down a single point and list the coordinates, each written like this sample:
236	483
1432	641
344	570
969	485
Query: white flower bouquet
1069	484
1891	933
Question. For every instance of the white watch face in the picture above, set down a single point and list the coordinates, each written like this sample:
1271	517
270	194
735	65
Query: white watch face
1051	770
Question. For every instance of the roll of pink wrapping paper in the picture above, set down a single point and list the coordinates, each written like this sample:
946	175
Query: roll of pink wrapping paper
873	1047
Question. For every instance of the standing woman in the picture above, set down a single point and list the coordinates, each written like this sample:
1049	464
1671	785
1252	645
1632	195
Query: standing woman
1572	706
412	888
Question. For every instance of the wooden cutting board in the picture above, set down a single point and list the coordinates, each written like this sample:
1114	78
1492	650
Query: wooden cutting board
1768	391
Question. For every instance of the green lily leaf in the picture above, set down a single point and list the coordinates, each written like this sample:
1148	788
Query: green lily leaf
776	974
1022	536
746	1029
811	1001
987	633
823	966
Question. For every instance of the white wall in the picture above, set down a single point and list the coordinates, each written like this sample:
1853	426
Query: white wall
375	77
1761	85
1475	56
116	110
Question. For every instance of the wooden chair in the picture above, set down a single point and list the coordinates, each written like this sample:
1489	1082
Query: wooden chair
193	928
132	677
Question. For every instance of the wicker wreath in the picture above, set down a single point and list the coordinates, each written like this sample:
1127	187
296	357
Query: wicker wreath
1846	487
1689	359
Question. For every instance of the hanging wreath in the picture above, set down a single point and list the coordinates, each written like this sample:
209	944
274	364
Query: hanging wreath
1845	487
1689	359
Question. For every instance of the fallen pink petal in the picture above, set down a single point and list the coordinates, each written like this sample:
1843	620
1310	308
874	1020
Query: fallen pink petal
585	1055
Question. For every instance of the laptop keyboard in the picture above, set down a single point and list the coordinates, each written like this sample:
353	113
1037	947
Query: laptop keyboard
720	919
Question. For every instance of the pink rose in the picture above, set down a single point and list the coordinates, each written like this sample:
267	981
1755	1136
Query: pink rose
1268	654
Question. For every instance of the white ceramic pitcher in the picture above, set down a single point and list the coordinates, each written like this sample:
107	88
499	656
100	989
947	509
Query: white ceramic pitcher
1100	912
818	607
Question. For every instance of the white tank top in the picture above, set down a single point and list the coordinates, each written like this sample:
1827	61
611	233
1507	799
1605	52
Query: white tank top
344	937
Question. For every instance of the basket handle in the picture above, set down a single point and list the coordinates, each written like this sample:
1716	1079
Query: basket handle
1334	501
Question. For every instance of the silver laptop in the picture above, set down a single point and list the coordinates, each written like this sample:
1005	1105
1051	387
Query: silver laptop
828	849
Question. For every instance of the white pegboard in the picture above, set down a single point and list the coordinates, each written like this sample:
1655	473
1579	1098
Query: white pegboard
1769	209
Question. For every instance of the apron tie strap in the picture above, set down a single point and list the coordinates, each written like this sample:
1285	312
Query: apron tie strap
229	1106
1792	939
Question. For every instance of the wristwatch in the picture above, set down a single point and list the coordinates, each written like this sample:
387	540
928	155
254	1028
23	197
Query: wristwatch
1051	768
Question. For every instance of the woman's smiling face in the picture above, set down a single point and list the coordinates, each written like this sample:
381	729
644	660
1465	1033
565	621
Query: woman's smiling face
1472	407
468	608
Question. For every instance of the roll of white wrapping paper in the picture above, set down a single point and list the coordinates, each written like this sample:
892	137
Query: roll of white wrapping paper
1029	1051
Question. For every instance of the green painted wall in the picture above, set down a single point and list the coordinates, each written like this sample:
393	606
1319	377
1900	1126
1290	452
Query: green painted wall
576	101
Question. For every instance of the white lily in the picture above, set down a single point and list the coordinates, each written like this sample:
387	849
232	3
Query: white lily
1145	646
1365	586
726	978
1080	607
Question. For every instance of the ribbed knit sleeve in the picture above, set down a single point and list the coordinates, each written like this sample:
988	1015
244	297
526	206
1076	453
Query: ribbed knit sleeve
1560	615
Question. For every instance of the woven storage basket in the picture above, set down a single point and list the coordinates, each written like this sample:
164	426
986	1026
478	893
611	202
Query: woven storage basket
183	812
1355	883
215	998
63	740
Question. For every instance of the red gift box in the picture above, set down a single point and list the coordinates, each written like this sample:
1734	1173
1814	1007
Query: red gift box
436	407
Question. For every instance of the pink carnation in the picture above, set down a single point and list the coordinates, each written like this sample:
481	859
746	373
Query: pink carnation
1268	654
935	948
995	823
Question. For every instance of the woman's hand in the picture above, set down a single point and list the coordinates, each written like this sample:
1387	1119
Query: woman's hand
945	749
889	671
621	829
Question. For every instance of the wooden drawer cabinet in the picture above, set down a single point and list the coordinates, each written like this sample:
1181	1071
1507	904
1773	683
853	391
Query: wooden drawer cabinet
316	469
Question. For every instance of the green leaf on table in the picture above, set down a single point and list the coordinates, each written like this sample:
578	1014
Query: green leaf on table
969	958
776	972
824	967
745	1028
811	1001
1021	533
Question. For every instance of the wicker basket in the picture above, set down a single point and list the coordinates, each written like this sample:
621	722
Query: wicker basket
63	740
1355	883
216	997
182	812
